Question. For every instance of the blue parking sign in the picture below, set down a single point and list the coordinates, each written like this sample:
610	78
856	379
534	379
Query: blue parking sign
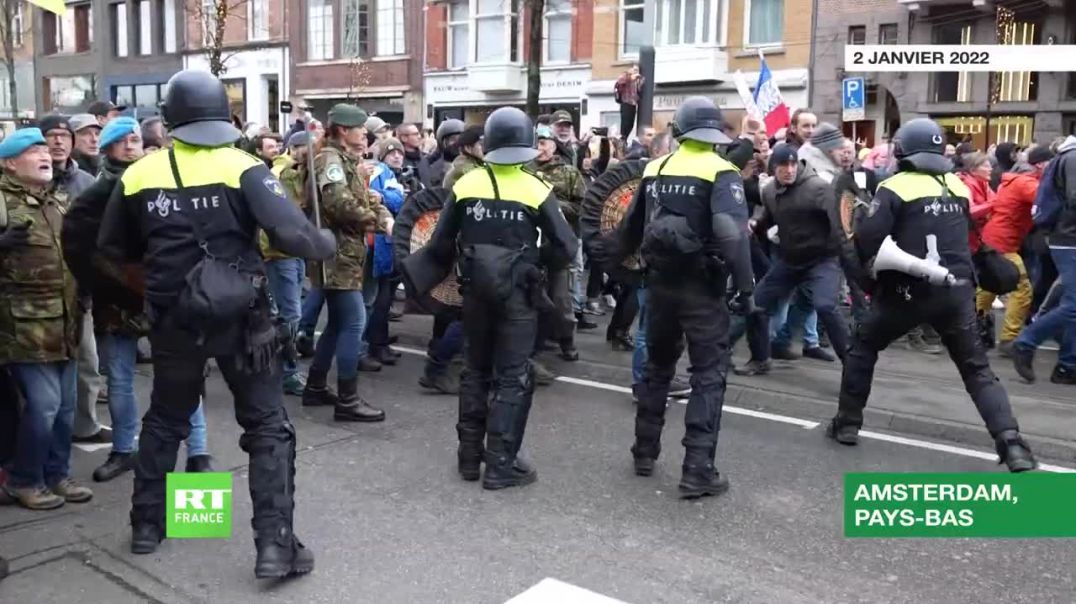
853	99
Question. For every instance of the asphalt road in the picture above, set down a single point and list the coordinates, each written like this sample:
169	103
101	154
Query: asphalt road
382	508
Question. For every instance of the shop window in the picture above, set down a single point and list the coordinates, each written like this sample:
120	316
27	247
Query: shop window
1016	86
237	97
1002	129
951	86
69	93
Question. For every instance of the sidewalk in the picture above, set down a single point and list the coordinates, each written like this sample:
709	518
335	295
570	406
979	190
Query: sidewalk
913	393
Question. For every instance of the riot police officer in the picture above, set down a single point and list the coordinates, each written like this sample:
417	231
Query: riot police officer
190	217
924	208
689	220
504	221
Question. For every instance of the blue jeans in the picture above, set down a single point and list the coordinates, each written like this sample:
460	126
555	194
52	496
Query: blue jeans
286	284
794	313
343	334
821	282
122	405
1062	318
43	446
448	345
638	356
196	441
312	303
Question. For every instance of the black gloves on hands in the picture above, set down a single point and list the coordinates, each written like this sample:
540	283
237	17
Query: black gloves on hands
742	303
16	235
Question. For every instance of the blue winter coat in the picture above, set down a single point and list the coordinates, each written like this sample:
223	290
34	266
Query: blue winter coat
392	196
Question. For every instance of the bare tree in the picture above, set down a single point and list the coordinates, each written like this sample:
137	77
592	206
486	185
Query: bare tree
213	17
10	33
536	10
358	77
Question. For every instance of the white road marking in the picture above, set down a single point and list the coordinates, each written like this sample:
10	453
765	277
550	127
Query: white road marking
91	447
922	444
551	590
805	424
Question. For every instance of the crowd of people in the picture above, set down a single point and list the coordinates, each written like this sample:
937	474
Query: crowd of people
68	344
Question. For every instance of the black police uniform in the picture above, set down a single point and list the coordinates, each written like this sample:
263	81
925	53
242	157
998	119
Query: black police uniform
504	222
689	217
924	199
205	190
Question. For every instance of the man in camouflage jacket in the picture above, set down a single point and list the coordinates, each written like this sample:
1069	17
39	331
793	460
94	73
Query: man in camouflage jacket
470	156
350	211
569	187
39	324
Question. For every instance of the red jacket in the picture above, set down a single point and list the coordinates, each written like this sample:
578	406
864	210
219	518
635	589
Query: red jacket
981	202
1010	220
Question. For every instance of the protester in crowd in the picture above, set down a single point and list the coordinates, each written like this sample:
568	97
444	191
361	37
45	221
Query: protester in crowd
40	351
68	182
414	157
1006	155
804	121
568	145
1008	225
383	182
267	148
1058	220
105	111
626	93
86	152
470	156
440	161
640	147
975	173
154	135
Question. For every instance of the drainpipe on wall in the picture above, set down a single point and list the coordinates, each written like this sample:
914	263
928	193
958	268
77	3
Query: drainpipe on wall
810	60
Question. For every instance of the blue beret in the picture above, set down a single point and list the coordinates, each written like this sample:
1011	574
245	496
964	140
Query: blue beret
117	129
19	141
299	139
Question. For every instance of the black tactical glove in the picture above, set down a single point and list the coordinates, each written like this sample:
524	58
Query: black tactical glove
16	235
742	303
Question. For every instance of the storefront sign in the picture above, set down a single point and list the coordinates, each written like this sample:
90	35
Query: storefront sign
568	83
264	61
669	102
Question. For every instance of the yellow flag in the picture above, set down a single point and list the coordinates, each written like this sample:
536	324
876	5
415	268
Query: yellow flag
53	6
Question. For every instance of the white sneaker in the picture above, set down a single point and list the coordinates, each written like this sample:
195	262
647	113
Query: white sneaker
610	301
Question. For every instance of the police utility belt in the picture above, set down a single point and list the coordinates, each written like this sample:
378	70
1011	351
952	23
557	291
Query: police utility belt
673	250
220	294
492	271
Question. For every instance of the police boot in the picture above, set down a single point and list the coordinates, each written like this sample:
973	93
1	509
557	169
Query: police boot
699	478
649	421
842	431
200	463
440	377
351	407
145	537
470	452
282	556
1014	452
506	425
317	392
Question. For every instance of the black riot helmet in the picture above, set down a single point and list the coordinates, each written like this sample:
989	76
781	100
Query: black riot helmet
699	119
509	137
448	128
196	110
920	145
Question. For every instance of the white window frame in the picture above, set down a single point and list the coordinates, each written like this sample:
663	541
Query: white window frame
121	30
328	32
507	15
168	22
395	44
622	7
565	10
256	30
661	16
451	27
145	27
747	43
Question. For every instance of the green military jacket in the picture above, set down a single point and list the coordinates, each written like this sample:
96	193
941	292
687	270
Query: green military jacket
291	176
39	313
348	210
461	165
568	186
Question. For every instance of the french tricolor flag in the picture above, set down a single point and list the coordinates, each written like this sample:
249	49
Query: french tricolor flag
768	99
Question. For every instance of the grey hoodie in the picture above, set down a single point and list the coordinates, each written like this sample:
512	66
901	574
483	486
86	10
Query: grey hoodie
820	161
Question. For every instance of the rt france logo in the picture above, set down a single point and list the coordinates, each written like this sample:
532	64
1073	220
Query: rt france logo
199	505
